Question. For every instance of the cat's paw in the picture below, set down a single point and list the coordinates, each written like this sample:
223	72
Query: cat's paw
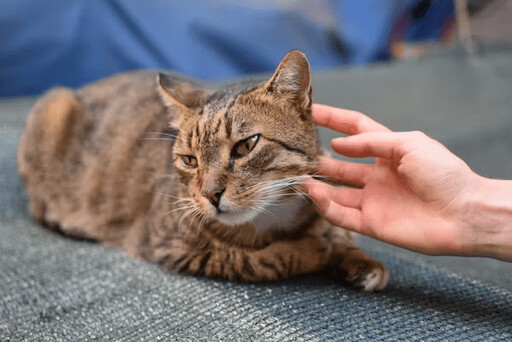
363	272
374	278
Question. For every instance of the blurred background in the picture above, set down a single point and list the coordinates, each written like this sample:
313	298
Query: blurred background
62	42
440	66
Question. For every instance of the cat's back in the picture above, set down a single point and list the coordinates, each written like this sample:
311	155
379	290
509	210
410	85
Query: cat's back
62	114
83	151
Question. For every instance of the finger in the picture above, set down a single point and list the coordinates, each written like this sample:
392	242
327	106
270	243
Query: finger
388	145
335	213
349	197
353	173
345	121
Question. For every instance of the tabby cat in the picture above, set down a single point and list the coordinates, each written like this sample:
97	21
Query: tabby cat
199	180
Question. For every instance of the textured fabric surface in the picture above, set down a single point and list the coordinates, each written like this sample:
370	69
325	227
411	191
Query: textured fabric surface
53	288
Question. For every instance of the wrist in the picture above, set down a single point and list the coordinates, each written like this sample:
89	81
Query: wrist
487	220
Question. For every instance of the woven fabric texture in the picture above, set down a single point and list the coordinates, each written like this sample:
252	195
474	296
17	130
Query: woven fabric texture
56	289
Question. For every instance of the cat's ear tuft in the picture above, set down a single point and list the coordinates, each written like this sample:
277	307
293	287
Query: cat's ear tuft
292	79
176	91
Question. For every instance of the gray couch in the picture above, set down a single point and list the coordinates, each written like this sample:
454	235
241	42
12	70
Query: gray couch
53	288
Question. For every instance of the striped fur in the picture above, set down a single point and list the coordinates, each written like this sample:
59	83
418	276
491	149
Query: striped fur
200	180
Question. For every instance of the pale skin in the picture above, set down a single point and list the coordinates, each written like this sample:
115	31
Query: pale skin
417	194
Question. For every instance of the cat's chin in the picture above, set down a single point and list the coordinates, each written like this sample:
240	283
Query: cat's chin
280	217
236	218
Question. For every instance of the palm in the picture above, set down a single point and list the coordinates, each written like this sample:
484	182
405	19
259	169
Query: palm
395	201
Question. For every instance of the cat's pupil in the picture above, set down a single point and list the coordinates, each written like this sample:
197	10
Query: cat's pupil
188	161
246	146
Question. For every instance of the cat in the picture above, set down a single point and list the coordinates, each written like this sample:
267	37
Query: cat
200	180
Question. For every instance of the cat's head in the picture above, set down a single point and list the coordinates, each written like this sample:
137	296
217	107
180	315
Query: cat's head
245	147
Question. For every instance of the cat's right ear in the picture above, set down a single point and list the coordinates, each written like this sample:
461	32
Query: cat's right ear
182	94
177	91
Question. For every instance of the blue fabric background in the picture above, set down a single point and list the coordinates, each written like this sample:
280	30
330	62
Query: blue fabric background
62	42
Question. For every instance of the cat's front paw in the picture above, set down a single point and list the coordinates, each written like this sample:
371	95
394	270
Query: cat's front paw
363	272
374	277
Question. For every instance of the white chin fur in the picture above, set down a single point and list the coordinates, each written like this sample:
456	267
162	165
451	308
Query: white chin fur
277	217
236	219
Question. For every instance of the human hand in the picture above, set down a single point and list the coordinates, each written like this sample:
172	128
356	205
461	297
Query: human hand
414	196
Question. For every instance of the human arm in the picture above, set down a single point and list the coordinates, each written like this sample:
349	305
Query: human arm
489	219
417	194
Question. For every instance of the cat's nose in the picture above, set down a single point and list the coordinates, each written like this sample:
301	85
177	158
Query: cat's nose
214	196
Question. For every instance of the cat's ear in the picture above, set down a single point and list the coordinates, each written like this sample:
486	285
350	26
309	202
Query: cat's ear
292	79
177	92
181	94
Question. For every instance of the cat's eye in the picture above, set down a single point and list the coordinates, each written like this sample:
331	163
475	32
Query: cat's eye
245	146
189	162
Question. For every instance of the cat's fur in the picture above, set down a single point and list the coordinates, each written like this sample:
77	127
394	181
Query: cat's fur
114	162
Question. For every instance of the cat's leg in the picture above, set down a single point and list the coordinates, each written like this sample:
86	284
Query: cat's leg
349	264
279	260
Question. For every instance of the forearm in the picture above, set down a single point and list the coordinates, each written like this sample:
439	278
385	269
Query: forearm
488	220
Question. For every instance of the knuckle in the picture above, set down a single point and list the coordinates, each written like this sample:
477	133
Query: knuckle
338	218
340	170
356	114
418	135
359	122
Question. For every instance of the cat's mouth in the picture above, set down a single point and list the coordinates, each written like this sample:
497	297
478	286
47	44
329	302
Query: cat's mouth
270	216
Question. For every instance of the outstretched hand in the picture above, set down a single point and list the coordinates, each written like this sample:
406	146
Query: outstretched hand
413	195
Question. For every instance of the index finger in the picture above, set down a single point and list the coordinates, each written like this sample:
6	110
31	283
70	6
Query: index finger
345	121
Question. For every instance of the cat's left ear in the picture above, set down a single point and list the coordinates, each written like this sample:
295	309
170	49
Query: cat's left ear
292	80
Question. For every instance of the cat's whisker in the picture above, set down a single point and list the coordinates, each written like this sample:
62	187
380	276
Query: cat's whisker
272	181
203	218
165	139
165	195
183	201
283	182
173	136
277	186
185	204
163	133
271	202
172	196
195	214
260	207
187	214
155	138
180	208
269	196
187	200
